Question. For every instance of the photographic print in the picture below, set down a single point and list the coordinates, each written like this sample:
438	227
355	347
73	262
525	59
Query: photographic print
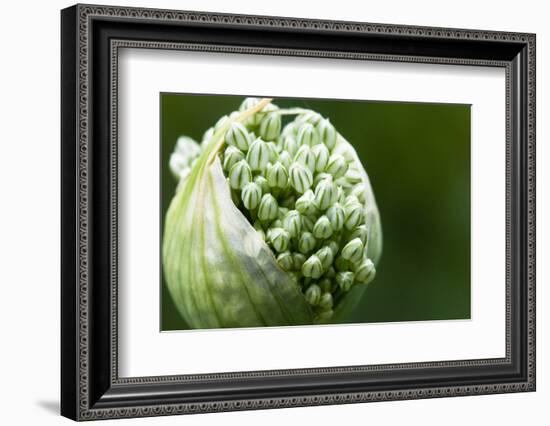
289	212
346	208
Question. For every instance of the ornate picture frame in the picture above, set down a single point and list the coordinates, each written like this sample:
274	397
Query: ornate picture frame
91	38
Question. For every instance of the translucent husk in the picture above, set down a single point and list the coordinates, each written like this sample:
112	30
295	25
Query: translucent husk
219	271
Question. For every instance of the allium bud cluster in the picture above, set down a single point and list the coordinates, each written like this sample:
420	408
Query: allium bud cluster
304	195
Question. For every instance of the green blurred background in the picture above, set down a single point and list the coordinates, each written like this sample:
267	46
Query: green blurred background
417	156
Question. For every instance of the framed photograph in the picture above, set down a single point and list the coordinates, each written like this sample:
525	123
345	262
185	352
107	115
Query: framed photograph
263	212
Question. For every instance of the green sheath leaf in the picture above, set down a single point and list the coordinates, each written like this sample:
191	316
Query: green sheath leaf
219	271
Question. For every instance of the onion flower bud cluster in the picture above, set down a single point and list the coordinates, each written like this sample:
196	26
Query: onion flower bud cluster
305	195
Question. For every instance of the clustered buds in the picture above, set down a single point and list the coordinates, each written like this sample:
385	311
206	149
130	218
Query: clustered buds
184	156
304	194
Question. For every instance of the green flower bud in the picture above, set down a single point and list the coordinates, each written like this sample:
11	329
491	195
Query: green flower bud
320	177
313	294
354	216
258	155
239	175
344	280
300	177
325	256
326	285
238	136
336	216
322	228
289	130
365	273
187	147
267	109
292	222
290	145
325	194
279	239
248	103
307	135
262	183
327	133
312	267
321	156
177	163
353	251
270	126
311	117
353	176
337	165
285	261
306	243
305	204
268	208
326	302
359	191
231	157
342	264
360	232
305	156
298	260
285	159
277	176
251	195
220	123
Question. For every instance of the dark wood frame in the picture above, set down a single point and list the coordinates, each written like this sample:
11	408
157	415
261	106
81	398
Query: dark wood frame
91	37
